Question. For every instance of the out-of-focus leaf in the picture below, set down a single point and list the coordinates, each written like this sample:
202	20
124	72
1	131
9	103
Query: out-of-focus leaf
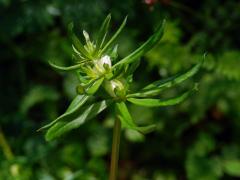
199	168
232	167
109	43
97	143
85	114
127	121
152	41
134	136
36	95
228	65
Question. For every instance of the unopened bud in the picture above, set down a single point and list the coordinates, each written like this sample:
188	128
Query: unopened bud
86	35
106	60
104	64
80	89
115	88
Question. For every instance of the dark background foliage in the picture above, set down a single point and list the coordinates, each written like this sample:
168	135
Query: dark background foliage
196	140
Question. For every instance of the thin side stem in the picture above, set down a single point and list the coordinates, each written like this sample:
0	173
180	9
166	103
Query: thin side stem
5	146
115	150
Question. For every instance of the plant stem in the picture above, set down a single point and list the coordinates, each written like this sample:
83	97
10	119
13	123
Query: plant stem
5	146
115	150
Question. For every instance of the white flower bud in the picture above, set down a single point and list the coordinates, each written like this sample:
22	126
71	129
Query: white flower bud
114	84
106	60
86	35
115	88
104	64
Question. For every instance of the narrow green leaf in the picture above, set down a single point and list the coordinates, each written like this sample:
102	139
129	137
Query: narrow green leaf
132	68
77	43
70	68
156	87
127	121
113	52
145	93
161	102
76	103
71	111
86	114
94	86
148	45
117	72
82	77
109	43
103	32
169	82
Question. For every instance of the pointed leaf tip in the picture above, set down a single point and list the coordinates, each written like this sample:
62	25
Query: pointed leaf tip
103	32
149	102
88	112
144	48
109	43
127	121
73	110
69	68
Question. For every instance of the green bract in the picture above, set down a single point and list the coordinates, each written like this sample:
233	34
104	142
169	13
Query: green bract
96	72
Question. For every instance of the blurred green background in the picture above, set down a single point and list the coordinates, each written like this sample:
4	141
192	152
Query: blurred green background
196	140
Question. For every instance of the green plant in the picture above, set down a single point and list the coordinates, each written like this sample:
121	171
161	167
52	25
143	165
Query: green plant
105	80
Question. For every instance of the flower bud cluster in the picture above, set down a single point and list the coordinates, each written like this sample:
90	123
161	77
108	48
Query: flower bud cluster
115	88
